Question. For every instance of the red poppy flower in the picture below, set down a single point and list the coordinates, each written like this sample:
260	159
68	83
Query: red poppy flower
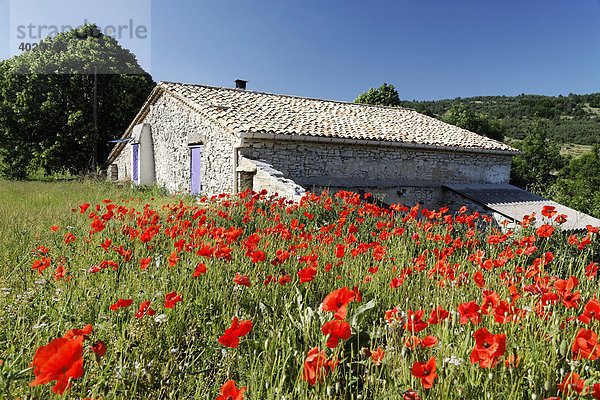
315	366
99	348
200	269
258	256
572	383
340	250
478	279
144	262
488	348
549	211
379	252
469	312
429	341
243	280
173	259
121	303
337	330
561	218
411	342
438	314
490	298
425	372
230	392
591	270
78	332
307	274
596	391
338	301
586	345
377	356
591	229
83	208
503	313
144	309
171	299
60	361
42	264
591	310
415	324
231	336
544	230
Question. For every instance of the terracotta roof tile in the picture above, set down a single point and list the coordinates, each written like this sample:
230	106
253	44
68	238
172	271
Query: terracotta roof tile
256	112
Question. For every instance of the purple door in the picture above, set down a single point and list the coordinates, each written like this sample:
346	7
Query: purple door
195	167
135	151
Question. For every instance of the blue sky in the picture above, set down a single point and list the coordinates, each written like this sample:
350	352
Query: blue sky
336	49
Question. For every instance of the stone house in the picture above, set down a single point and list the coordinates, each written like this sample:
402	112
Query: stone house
211	140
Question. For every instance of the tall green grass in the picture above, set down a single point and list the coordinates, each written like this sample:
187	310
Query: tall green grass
176	354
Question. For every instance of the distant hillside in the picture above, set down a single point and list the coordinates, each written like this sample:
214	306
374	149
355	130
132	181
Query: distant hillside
570	119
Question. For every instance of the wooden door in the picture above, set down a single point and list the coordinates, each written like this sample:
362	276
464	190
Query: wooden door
196	169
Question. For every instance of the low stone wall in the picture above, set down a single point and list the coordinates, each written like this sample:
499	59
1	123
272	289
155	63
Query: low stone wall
264	177
327	164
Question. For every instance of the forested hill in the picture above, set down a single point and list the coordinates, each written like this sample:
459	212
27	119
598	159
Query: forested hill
570	119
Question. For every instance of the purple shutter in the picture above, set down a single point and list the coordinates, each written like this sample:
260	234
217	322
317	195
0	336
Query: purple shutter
195	164
135	149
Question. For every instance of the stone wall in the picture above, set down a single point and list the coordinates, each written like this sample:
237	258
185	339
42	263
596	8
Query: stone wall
393	174
175	126
328	164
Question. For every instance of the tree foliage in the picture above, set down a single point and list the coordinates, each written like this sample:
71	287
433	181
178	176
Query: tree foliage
537	167
46	102
578	183
569	119
480	123
385	95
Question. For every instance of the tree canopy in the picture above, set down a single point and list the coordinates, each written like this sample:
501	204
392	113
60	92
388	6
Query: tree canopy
536	169
385	95
480	123
578	183
46	102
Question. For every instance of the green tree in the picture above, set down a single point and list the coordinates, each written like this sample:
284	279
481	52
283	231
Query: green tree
386	95
480	123
577	185
537	167
46	102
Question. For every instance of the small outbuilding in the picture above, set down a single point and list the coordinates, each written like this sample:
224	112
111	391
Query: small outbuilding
209	140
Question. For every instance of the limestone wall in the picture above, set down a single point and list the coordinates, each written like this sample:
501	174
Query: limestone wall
174	126
355	165
394	174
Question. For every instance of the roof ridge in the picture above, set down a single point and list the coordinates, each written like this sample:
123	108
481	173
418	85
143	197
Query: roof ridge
289	95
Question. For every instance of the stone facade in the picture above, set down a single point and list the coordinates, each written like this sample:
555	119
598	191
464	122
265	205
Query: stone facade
394	174
174	127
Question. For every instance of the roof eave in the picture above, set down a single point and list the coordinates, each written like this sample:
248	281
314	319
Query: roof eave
382	143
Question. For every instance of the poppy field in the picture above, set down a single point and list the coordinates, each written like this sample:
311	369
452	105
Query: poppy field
115	294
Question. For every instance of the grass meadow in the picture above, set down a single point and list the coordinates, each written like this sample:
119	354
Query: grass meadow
133	294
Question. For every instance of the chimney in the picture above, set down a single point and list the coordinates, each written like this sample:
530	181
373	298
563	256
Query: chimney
240	84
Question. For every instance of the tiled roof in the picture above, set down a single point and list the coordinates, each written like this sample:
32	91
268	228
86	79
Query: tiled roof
245	111
515	203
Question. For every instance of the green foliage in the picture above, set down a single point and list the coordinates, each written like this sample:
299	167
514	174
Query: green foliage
480	123
46	102
570	119
385	95
536	168
578	184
